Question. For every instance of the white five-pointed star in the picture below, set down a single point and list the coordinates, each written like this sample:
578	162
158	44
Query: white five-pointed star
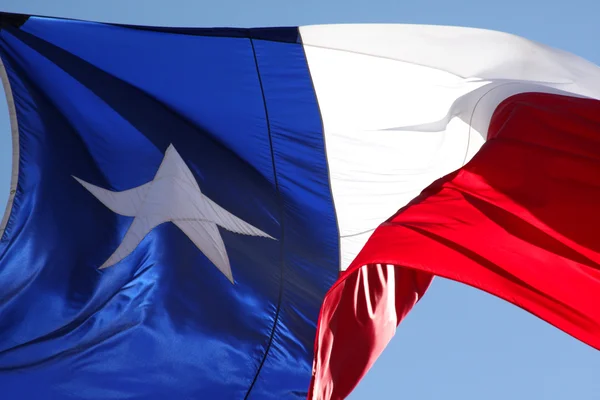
173	196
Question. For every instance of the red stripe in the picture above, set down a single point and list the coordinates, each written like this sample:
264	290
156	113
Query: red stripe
520	221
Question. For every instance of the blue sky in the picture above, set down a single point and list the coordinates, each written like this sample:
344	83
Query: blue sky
458	343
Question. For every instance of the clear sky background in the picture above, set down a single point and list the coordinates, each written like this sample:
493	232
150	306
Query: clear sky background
458	343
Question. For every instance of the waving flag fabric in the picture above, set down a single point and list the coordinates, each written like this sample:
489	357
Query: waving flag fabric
214	213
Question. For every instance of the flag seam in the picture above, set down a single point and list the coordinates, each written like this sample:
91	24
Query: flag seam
282	219
330	185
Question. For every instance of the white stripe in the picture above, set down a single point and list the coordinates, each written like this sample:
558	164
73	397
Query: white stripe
12	114
403	105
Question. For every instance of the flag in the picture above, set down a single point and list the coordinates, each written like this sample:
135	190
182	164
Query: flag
214	212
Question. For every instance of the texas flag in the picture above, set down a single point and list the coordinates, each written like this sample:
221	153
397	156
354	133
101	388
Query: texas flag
223	213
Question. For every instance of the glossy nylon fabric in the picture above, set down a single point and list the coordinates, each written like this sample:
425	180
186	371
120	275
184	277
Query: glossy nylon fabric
518	221
103	103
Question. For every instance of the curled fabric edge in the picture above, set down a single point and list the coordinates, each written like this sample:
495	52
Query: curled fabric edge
358	318
14	129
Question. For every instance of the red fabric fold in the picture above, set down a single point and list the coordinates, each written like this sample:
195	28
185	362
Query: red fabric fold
521	221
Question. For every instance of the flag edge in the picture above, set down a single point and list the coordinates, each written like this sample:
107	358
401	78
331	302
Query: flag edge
14	131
